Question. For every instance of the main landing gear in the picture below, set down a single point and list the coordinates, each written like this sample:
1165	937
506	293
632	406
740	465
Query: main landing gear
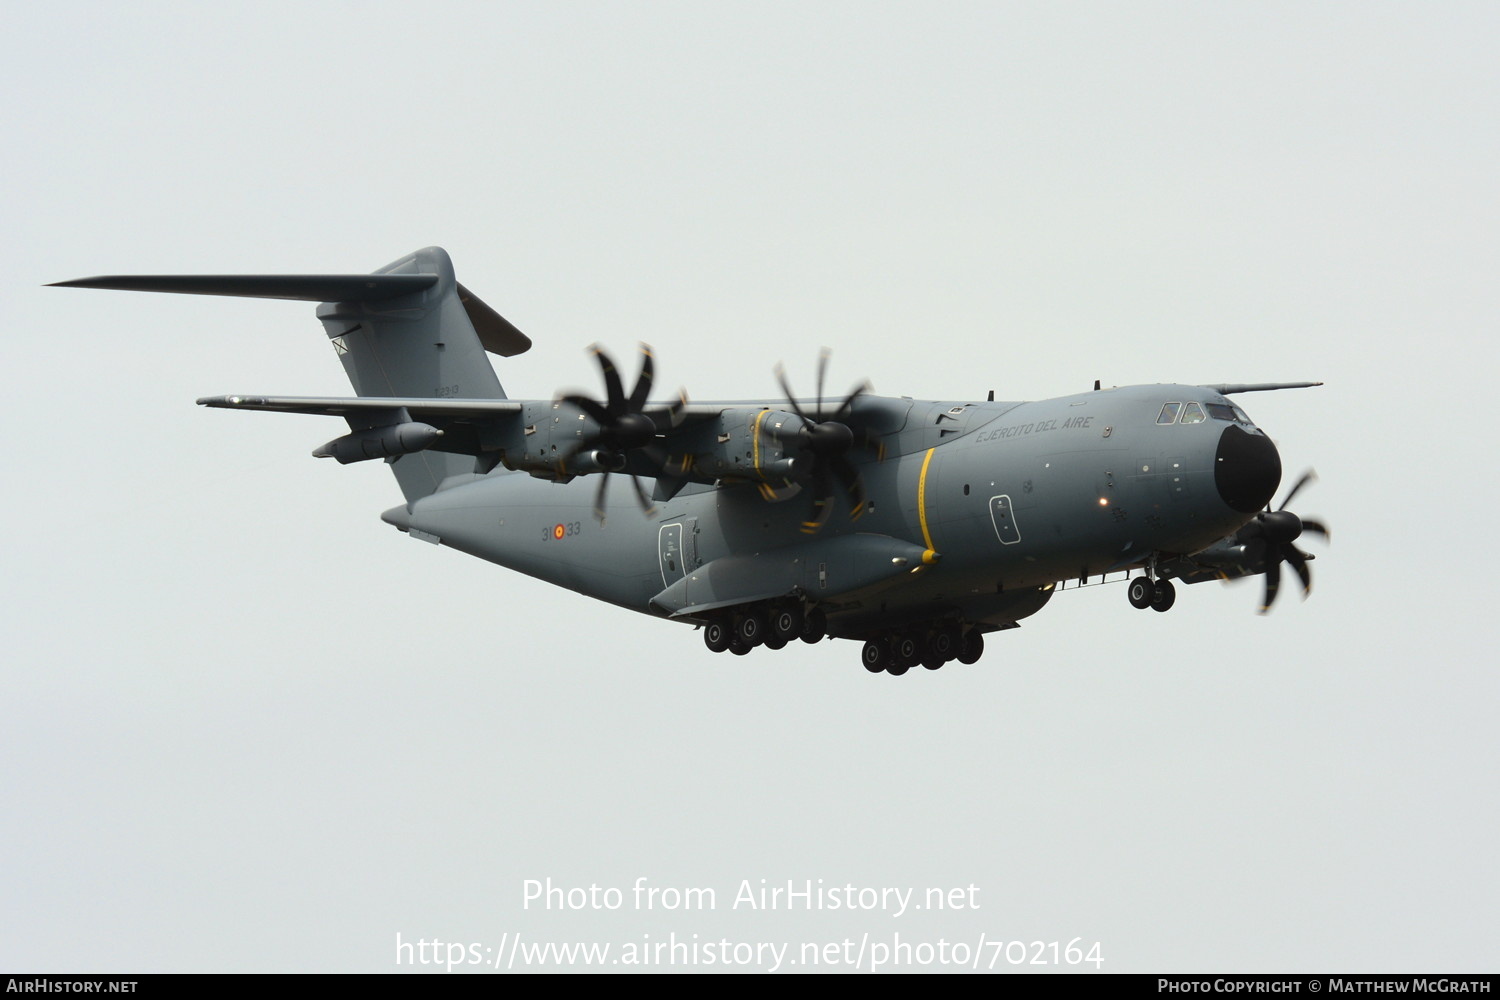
898	652
1158	595
774	624
771	625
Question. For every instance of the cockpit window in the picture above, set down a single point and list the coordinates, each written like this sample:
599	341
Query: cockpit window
1220	411
1168	413
1225	411
1193	414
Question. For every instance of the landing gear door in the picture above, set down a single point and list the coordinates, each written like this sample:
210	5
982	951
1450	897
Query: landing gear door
1003	516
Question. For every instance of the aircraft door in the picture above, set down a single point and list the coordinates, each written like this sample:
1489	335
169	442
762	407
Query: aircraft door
676	549
1003	517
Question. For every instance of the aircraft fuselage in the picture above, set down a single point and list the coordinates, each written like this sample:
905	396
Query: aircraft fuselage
1005	499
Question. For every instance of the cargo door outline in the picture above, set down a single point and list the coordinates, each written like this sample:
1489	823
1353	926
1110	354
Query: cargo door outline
1003	517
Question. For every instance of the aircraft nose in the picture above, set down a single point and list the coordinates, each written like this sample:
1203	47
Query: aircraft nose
1247	469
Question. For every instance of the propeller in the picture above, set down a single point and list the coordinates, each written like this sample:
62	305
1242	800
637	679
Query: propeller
625	425
823	443
1268	540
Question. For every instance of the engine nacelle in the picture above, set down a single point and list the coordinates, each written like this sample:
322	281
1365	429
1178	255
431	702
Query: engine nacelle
391	441
742	447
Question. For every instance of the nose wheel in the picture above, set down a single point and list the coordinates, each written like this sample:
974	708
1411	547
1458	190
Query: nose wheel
1141	593
1165	596
1158	595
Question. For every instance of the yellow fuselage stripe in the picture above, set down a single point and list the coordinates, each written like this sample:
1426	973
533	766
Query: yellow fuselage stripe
755	440
922	498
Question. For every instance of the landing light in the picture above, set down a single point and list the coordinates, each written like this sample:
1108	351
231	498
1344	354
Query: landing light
1103	502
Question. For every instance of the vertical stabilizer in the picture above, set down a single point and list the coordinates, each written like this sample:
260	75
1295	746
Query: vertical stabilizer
420	345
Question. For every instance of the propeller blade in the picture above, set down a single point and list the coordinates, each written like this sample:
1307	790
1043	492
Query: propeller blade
665	463
822	502
1298	562
847	406
596	413
1307	477
786	390
600	496
849	478
1268	543
1273	579
1316	527
640	493
823	442
656	455
624	425
823	355
822	511
643	383
614	390
669	417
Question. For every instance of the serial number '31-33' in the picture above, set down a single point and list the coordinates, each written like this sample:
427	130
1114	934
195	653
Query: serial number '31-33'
560	531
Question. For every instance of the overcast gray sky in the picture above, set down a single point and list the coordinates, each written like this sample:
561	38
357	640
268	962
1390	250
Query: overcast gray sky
250	727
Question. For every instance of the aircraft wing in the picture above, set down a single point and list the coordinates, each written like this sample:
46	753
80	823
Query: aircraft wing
338	406
387	426
1230	388
474	409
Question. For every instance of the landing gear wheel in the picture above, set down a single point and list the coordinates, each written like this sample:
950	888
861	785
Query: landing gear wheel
751	630
932	662
786	622
944	644
898	668
906	649
1165	597
873	656
774	641
717	636
973	648
738	648
1141	593
814	625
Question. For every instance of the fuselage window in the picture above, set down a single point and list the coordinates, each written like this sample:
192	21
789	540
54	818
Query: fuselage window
1169	413
1193	414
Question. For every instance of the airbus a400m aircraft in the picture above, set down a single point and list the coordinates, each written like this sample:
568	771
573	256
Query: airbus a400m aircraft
915	527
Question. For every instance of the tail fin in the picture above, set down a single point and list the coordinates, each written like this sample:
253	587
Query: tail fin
408	330
424	345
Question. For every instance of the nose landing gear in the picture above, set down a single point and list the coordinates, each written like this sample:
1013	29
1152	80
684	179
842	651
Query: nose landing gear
1158	595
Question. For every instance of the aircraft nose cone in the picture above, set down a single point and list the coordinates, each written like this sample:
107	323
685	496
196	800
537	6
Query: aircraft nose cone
1247	470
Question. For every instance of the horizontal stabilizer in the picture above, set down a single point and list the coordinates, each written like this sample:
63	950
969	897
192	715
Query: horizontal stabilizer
307	287
496	333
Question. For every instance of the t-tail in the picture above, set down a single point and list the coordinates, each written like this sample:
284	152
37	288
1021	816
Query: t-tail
407	331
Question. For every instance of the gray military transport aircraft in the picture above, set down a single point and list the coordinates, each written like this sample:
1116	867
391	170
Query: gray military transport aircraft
913	526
